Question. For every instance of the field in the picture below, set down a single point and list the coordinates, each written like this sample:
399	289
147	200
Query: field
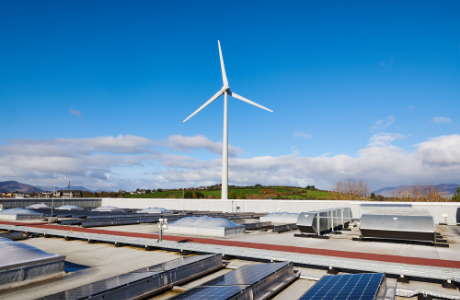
272	192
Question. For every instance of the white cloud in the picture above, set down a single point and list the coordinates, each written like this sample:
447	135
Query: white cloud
384	139
302	135
75	113
443	151
383	123
129	162
182	143
441	120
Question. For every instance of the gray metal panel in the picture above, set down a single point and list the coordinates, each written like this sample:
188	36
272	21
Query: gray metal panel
180	262
15	254
320	221
31	272
143	282
13	235
256	280
402	224
98	287
247	275
82	202
216	293
271	281
367	208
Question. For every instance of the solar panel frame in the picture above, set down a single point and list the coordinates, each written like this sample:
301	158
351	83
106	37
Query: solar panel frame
347	287
247	275
240	292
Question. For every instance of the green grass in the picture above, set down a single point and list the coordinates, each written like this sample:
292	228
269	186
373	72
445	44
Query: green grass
283	191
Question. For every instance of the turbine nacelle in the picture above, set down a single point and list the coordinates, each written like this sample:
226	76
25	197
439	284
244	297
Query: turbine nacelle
225	89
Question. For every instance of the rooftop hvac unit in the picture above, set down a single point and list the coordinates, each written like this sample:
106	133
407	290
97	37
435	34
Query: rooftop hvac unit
399	224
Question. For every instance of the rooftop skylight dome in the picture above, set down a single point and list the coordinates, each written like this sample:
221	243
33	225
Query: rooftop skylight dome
205	222
19	214
69	207
20	262
19	210
206	226
107	208
152	210
38	206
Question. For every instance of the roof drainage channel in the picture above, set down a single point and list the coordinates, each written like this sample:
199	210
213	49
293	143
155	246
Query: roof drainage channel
144	282
433	274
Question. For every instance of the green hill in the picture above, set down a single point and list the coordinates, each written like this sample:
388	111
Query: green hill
272	192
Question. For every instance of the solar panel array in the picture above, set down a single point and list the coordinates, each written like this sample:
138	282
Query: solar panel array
346	287
236	283
247	274
211	292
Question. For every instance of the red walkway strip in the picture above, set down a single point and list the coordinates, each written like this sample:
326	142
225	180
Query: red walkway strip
292	249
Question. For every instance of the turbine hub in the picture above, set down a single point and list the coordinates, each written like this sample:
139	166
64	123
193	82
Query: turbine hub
226	88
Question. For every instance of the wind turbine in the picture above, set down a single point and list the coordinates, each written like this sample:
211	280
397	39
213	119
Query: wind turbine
225	90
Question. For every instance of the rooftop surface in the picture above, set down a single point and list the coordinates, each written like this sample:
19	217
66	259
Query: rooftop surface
92	262
341	242
103	260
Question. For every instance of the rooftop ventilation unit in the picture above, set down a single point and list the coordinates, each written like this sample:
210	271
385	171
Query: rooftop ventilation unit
399	224
280	217
324	220
369	207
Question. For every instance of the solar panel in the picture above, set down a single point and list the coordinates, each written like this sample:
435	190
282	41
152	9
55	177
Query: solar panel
211	293
346	287
97	287
247	274
176	263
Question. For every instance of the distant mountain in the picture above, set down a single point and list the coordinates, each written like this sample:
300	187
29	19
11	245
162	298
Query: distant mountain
11	186
72	187
389	191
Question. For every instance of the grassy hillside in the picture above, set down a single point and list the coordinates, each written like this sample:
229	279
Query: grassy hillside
277	192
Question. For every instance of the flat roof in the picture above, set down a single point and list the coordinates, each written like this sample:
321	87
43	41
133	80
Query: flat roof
103	260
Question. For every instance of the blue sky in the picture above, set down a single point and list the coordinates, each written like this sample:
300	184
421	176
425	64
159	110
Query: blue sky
337	75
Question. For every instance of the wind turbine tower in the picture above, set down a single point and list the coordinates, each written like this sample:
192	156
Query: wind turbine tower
225	90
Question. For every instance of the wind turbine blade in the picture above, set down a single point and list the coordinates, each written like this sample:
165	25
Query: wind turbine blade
217	95
248	101
222	66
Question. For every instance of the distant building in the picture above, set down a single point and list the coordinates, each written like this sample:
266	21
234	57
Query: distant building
69	194
19	195
46	194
